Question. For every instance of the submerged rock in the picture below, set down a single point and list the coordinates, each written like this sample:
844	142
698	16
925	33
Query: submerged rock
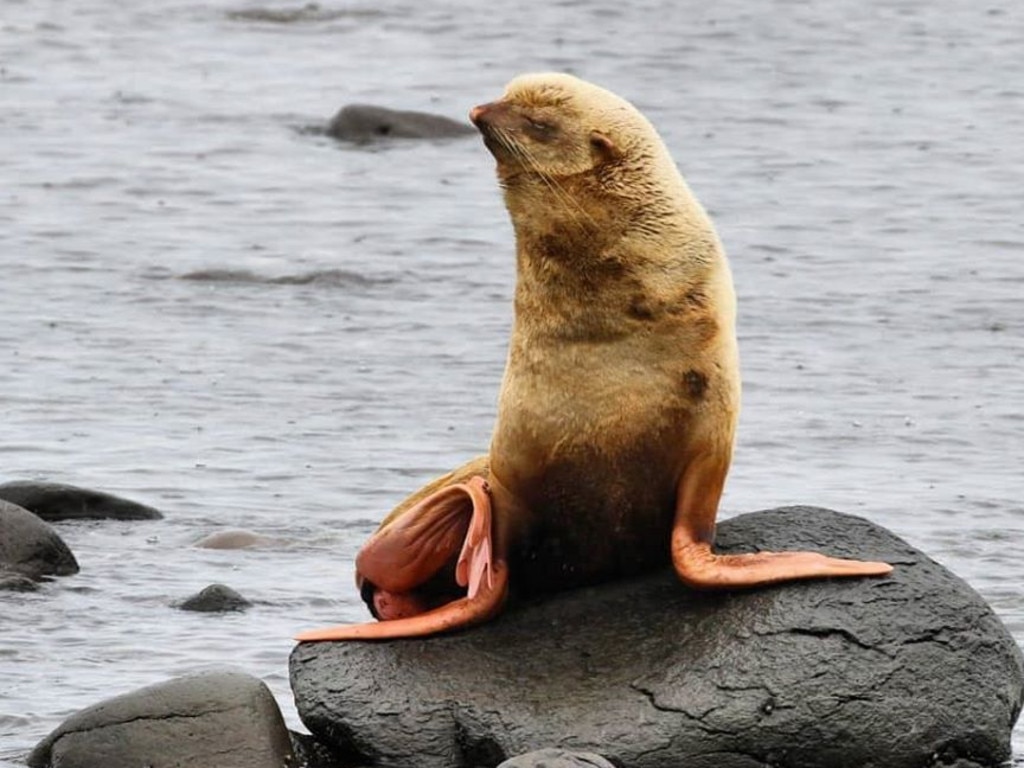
557	758
366	122
11	581
223	719
235	540
841	673
57	501
31	547
216	598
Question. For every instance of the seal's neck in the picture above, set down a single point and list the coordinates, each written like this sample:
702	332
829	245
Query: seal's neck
595	272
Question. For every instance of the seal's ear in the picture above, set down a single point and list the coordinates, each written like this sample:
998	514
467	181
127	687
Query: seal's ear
604	147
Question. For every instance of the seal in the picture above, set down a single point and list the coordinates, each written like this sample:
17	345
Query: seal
618	407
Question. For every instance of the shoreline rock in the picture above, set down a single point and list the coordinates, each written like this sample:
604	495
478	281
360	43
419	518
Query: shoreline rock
31	547
54	502
892	672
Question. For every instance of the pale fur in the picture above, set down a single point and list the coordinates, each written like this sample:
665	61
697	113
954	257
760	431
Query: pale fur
555	390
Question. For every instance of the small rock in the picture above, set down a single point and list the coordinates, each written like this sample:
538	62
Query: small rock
31	547
216	598
223	719
557	758
234	540
366	122
56	501
16	582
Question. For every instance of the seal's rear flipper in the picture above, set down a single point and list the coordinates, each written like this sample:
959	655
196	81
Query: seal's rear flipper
404	568
458	614
694	532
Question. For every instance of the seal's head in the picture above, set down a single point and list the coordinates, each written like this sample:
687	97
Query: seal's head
559	126
586	176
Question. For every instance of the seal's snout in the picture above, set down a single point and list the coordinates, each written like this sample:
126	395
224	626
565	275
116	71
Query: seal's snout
478	113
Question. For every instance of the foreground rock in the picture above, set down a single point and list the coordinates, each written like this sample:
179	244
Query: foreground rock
223	719
56	501
30	547
893	672
366	122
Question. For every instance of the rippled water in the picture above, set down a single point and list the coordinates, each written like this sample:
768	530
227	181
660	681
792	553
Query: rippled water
213	311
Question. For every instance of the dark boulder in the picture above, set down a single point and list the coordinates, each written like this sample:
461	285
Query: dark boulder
366	122
31	547
216	598
56	501
223	719
890	672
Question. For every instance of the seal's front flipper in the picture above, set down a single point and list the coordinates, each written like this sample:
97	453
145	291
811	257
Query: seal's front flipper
415	570
694	532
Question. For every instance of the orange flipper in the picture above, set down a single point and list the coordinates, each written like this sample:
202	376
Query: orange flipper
458	614
411	549
694	530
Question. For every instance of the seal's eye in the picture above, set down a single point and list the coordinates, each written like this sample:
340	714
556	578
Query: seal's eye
539	129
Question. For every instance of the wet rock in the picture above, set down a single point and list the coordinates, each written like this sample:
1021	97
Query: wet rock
557	758
10	581
223	719
31	547
366	122
843	673
310	753
310	12
57	501
235	540
216	598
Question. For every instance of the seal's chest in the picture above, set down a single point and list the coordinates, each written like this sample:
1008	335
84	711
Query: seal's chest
596	517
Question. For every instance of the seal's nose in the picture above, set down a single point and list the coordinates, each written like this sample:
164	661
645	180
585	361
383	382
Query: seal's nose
476	114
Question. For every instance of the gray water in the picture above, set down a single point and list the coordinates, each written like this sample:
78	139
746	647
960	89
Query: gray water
208	309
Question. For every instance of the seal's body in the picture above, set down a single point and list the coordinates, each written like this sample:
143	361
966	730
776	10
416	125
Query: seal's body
618	408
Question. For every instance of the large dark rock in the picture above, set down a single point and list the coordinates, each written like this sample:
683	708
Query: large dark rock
222	719
893	672
31	547
366	122
56	501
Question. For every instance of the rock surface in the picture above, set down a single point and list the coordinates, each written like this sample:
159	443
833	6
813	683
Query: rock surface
56	501
366	122
557	758
216	598
222	719
893	672
31	547
12	581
